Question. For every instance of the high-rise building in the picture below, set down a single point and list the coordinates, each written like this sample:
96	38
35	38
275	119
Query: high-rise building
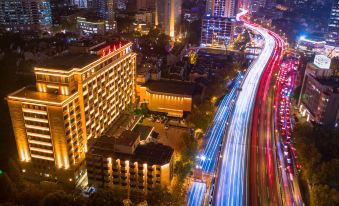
121	4
75	98
217	32
145	4
168	14
333	25
79	3
222	8
19	15
105	10
218	25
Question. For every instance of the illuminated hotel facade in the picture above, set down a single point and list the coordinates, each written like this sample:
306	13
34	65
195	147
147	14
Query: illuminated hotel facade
75	98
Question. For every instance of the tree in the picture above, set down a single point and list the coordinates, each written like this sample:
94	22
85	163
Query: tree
105	198
335	65
323	195
160	196
7	188
58	198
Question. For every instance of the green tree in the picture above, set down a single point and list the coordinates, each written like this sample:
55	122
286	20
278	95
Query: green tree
105	198
7	189
323	195
160	196
335	65
58	198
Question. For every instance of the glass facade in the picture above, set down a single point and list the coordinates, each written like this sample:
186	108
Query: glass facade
25	15
333	25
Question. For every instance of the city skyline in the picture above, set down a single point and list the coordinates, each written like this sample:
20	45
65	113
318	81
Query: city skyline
175	102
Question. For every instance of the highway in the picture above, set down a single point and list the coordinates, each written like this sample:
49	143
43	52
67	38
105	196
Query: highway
283	120
214	136
264	167
232	182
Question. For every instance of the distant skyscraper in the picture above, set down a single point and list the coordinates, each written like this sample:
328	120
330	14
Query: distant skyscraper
168	14
105	10
218	25
25	14
121	4
145	4
79	3
333	25
222	8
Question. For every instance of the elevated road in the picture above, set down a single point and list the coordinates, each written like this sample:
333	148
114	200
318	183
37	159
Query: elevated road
232	181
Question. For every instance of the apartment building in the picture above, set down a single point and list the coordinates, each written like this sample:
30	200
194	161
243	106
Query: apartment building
319	97
123	162
19	15
75	98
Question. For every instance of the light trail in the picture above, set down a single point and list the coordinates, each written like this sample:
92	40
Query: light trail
208	157
232	177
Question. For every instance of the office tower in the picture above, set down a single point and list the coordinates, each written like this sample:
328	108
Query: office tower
222	8
76	97
219	23
79	3
121	4
333	25
19	15
217	32
168	14
105	10
145	4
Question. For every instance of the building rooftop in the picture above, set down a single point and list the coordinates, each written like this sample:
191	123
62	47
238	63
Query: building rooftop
143	130
127	138
171	87
151	153
69	61
122	123
31	94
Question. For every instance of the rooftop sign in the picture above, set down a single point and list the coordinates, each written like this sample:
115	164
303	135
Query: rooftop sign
322	61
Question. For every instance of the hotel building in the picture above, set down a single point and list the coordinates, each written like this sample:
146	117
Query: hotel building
75	98
125	163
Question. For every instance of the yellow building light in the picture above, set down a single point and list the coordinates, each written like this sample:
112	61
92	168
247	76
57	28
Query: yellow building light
42	157
41	150
39	142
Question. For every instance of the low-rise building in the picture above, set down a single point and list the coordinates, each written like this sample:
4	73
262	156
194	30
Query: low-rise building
94	26
167	96
125	163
